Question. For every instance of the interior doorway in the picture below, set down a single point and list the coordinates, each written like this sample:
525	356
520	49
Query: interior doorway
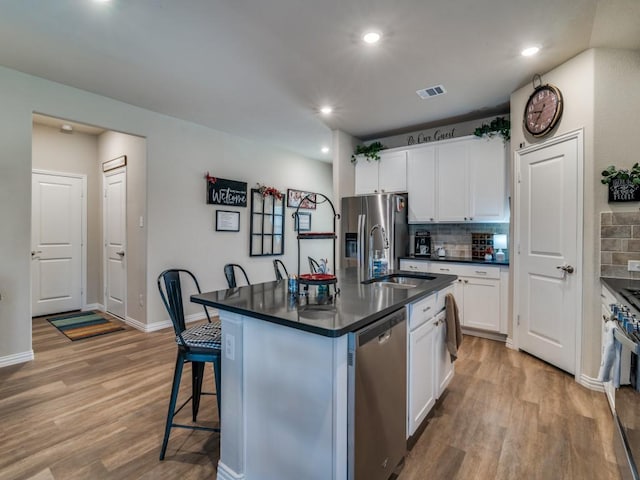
77	149
58	242
115	241
548	261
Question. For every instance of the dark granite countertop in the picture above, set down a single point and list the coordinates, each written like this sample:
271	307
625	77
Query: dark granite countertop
476	261
620	288
356	306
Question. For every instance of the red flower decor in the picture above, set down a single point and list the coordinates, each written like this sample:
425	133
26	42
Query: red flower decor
209	178
264	190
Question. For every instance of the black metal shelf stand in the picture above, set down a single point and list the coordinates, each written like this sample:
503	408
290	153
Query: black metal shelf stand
313	198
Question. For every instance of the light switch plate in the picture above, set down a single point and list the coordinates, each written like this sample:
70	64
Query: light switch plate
633	265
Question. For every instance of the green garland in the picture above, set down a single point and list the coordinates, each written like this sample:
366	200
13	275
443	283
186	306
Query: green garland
498	126
611	173
370	152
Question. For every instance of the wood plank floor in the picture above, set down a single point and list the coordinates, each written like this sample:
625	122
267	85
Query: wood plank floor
95	409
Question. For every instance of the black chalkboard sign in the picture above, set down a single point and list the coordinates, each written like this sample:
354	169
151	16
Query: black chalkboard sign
623	191
226	192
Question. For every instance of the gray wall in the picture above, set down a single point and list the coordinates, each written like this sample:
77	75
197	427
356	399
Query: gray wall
600	91
179	224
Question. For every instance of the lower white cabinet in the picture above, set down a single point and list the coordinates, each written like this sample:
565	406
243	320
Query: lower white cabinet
422	374
444	365
481	291
429	367
478	302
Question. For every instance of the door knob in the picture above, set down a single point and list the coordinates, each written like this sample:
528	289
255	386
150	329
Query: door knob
120	253
566	268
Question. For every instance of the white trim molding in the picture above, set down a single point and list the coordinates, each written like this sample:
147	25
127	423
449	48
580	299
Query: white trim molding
509	344
591	383
16	358
225	473
166	323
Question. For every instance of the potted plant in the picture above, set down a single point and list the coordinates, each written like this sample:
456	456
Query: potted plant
498	126
370	152
624	184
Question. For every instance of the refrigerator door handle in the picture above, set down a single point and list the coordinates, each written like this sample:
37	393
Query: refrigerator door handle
361	223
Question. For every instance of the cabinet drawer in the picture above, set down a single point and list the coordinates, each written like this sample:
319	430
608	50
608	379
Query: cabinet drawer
479	271
421	311
414	265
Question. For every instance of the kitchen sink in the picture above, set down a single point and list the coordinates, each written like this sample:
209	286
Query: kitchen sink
399	280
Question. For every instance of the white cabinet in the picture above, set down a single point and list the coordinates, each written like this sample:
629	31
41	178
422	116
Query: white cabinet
481	291
487	180
421	183
453	201
429	367
444	365
480	305
422	385
389	174
460	180
414	265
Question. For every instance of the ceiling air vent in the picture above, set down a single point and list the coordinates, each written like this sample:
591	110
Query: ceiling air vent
431	92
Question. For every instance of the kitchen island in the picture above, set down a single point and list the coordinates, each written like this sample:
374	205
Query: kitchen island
284	373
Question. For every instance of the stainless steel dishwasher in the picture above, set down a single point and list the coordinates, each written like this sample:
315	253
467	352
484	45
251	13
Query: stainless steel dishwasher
377	380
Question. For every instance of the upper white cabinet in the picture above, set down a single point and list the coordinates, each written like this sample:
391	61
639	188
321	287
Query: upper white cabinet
387	175
461	180
487	180
452	185
421	182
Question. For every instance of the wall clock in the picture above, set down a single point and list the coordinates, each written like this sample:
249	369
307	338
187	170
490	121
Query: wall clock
543	110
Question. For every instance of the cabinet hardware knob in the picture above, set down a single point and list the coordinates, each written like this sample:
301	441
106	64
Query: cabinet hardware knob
466	281
426	309
480	272
470	218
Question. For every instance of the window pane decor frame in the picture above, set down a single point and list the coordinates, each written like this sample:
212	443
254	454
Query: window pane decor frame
266	237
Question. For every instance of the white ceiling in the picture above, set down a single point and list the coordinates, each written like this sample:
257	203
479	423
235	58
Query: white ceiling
260	69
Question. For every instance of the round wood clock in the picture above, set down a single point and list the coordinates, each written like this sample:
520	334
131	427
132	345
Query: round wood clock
543	110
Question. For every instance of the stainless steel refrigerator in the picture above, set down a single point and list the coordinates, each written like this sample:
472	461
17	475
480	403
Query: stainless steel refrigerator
374	223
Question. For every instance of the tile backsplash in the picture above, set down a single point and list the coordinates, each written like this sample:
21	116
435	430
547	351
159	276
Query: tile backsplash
619	243
456	237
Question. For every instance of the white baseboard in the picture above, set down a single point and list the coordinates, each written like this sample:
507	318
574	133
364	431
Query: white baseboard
509	343
225	473
499	337
155	326
591	383
93	306
16	358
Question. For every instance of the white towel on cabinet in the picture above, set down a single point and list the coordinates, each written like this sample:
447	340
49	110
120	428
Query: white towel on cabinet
610	357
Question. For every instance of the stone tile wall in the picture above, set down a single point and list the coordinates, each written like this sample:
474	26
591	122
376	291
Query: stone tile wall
456	237
619	243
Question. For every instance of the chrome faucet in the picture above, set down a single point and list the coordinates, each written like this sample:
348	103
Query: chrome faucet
385	239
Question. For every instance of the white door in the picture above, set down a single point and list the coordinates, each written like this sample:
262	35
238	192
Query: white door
366	176
392	172
452	192
549	247
56	243
422	371
487	180
421	184
115	215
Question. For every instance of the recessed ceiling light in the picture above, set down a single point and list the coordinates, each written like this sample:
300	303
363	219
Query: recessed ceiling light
325	149
326	110
371	37
527	52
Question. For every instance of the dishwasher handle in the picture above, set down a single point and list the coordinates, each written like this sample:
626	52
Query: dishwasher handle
381	329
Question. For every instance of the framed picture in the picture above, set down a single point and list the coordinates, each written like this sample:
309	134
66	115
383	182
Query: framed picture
296	198
303	221
115	163
227	221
